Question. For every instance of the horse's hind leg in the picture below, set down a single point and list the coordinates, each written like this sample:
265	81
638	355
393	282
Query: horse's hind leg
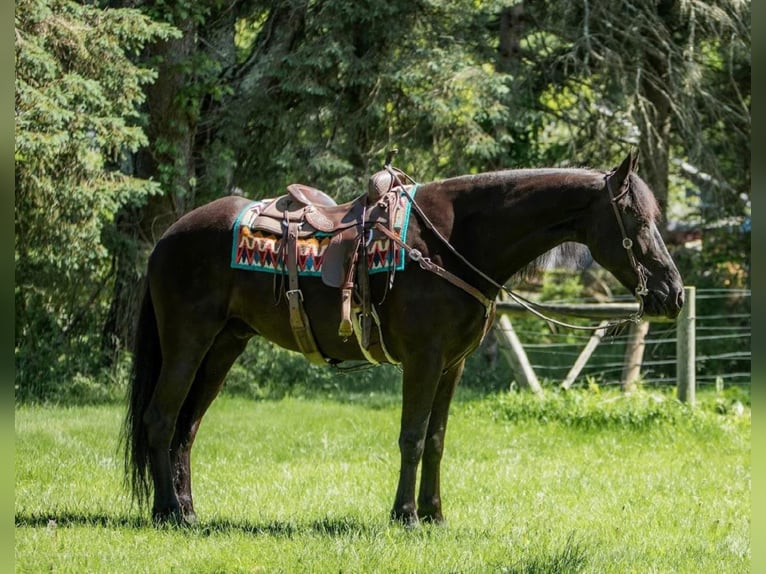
429	497
183	349
228	345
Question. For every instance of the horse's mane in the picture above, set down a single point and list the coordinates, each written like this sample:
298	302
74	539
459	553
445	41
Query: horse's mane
641	199
508	175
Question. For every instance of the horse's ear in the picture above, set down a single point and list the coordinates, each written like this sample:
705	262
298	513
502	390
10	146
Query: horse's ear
619	177
634	163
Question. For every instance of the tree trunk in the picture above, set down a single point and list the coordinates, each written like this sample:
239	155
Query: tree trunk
191	135
216	137
118	330
511	32
171	127
654	120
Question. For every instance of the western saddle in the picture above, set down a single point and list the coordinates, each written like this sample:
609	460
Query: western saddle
305	211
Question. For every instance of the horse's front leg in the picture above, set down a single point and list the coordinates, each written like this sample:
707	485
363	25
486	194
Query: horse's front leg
429	497
420	380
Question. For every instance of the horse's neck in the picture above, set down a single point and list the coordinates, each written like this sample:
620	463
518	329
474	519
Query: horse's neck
509	224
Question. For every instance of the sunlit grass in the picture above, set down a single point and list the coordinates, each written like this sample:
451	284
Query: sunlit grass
305	485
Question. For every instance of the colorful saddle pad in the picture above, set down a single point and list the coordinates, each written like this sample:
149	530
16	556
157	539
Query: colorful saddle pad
257	250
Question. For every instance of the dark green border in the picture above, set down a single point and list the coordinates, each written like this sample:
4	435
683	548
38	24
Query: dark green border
758	195
7	370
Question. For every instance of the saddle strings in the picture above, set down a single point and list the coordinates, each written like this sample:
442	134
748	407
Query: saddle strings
613	327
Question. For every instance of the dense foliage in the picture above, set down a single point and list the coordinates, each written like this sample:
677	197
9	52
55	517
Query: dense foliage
77	94
128	117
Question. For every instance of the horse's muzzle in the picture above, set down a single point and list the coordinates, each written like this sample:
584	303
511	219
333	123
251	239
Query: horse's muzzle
664	303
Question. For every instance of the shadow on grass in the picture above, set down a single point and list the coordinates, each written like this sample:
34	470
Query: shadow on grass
65	519
328	526
544	558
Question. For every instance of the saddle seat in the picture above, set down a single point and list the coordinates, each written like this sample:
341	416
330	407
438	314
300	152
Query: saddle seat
304	212
314	212
307	195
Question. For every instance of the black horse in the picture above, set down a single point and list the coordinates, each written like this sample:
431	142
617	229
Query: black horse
198	312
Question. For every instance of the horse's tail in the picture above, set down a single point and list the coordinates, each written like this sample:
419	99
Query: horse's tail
147	360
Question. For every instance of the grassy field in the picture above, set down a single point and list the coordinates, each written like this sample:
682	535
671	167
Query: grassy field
590	482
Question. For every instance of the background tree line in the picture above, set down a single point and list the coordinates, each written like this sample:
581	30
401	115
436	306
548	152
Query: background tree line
131	113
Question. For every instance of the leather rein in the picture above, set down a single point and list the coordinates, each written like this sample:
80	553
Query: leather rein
534	308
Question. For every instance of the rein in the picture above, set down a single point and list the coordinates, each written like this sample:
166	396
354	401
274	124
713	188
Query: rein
534	308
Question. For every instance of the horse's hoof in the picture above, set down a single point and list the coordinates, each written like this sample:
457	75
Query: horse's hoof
191	518
405	518
432	518
187	509
169	517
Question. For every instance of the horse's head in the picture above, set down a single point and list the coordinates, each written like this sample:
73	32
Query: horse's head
623	237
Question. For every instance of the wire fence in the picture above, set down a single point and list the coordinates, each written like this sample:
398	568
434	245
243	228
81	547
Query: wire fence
722	335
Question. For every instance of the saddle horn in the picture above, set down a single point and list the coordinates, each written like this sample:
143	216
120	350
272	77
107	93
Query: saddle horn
390	156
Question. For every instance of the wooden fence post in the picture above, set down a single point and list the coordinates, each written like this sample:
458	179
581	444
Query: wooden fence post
686	353
585	354
515	355
634	355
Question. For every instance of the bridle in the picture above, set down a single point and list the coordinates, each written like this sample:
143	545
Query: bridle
613	326
627	243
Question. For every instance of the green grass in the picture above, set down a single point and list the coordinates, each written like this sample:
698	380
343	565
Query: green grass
586	482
